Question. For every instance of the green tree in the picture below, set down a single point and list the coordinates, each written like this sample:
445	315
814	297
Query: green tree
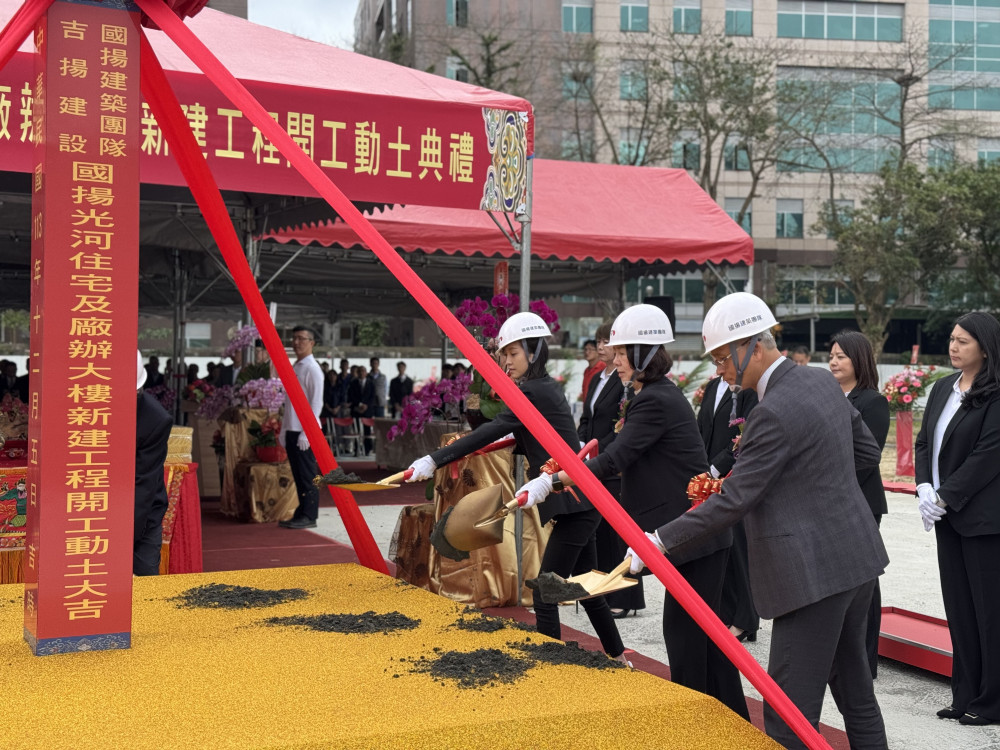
370	333
906	233
14	325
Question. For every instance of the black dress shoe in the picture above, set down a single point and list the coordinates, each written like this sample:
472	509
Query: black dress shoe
950	713
747	636
298	523
974	720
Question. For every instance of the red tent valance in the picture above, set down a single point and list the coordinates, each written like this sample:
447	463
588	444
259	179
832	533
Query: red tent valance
581	211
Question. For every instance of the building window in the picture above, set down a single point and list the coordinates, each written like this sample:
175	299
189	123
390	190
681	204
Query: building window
789	217
687	151
736	155
988	150
732	207
844	208
631	146
857	129
635	16
687	16
577	145
940	154
632	80
577	81
964	41
814	19
578	16
739	17
455	70
458	12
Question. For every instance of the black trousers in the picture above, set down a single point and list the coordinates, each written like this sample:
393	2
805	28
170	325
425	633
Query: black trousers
572	550
148	539
737	602
970	587
695	661
611	550
819	644
874	621
304	470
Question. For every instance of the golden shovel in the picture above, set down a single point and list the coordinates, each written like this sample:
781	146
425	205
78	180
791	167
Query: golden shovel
555	589
389	483
502	513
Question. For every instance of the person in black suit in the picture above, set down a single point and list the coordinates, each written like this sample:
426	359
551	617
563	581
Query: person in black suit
152	432
601	404
657	452
714	418
571	547
400	387
958	482
361	396
852	362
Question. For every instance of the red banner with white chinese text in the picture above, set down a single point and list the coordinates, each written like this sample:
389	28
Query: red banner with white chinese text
84	297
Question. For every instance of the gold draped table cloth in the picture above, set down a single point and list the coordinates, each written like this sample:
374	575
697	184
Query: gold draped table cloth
251	490
488	578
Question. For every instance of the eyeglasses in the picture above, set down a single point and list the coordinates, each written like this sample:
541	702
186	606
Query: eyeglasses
301	338
721	362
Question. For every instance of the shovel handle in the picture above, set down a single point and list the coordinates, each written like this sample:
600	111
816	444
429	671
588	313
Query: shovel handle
404	475
619	570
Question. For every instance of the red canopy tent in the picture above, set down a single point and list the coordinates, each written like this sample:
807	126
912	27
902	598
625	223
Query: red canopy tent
614	213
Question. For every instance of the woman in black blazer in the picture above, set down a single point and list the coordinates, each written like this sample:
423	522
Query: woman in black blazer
601	404
657	451
571	548
852	362
958	483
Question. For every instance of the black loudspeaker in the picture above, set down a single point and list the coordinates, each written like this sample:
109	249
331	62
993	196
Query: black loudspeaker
667	305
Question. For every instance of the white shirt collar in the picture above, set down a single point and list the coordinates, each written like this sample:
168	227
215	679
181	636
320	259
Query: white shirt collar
762	383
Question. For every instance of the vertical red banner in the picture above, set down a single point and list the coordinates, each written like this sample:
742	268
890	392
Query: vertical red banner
84	301
501	278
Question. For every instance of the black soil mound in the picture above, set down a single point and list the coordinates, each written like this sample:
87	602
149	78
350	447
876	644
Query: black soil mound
554	588
367	622
474	620
337	476
568	653
475	669
224	596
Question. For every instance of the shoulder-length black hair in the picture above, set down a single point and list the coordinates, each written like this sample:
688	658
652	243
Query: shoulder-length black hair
536	368
859	350
658	366
985	329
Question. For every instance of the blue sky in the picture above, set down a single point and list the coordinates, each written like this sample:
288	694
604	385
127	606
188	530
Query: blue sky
327	21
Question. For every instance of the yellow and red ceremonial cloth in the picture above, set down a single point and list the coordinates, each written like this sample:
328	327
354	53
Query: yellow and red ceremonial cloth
13	502
84	295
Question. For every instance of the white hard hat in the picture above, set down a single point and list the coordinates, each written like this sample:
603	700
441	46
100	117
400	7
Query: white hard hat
140	375
522	325
641	324
735	317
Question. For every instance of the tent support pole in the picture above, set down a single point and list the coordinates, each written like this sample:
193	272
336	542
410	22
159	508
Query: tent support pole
724	280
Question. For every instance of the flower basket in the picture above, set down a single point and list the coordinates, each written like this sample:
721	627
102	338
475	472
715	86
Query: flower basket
270	454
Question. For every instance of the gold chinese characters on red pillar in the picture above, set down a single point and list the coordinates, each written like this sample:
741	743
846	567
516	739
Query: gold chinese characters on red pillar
84	297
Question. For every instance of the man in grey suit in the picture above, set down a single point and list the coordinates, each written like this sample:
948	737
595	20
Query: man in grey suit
813	546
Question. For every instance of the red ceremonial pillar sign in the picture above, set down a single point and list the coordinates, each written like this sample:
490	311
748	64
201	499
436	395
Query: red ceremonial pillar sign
501	278
84	298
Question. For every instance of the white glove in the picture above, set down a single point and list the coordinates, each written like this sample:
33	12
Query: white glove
303	442
281	437
537	489
925	490
637	564
930	511
423	469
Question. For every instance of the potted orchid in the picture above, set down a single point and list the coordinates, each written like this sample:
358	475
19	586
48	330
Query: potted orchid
435	398
264	440
484	319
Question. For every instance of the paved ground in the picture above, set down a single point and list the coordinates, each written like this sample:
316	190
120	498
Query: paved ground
909	697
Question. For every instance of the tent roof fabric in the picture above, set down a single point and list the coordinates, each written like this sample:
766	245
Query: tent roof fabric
602	212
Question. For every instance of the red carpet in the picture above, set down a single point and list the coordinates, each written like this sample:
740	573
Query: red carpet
230	545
